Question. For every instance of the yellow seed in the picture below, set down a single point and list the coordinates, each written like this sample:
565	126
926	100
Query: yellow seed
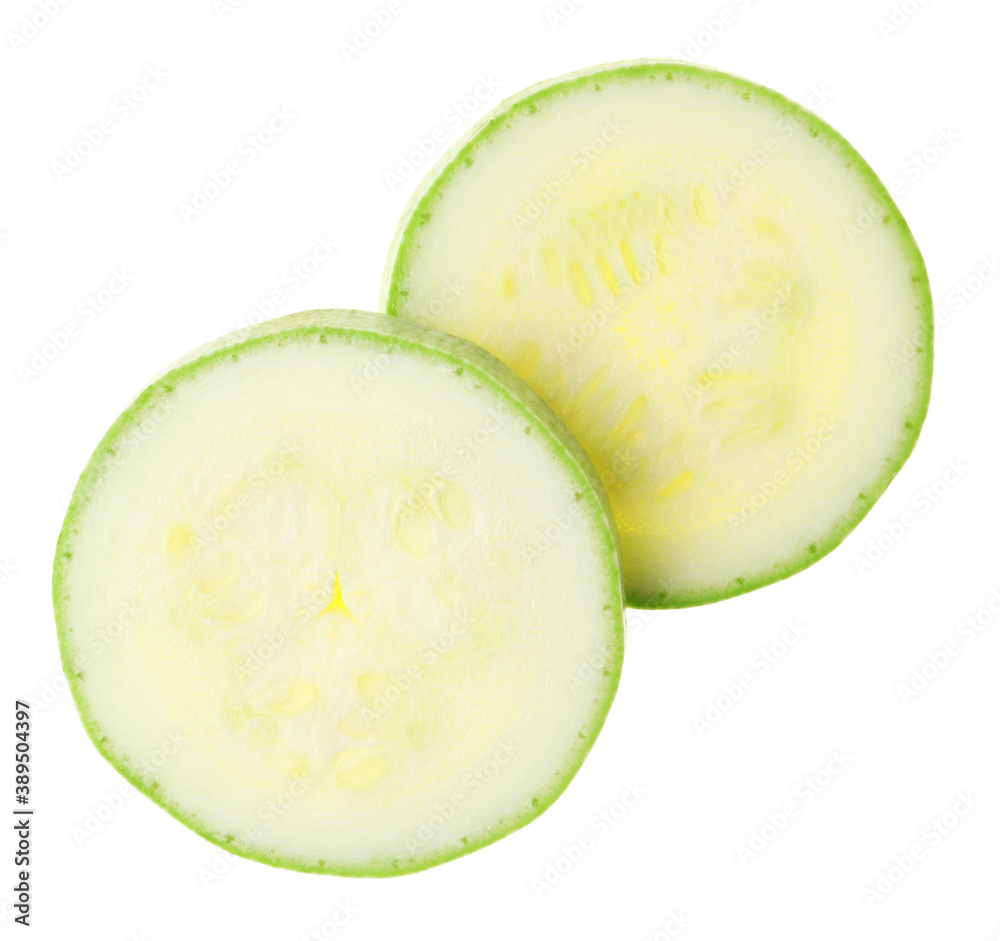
578	281
378	691
453	506
631	265
738	297
730	407
631	420
769	229
611	394
508	284
358	769
671	215
607	275
413	531
706	209
286	699
525	358
680	484
550	263
738	383
418	730
662	259
235	606
355	728
291	763
762	273
178	542
744	436
218	570
589	390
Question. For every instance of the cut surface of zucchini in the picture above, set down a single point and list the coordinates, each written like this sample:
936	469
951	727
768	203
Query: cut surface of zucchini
342	595
713	290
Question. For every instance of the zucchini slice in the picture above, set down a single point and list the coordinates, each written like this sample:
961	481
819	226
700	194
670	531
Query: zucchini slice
712	289
342	595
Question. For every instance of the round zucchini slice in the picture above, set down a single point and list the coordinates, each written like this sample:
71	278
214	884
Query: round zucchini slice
712	289
342	595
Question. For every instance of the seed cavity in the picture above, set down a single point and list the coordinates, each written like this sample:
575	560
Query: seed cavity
418	730
178	542
217	570
769	229
453	506
378	691
508	284
706	208
285	700
587	392
745	436
580	285
550	263
525	358
607	275
291	763
762	273
413	531
235	606
662	260
631	265
670	215
730	407
359	769
631	420
680	484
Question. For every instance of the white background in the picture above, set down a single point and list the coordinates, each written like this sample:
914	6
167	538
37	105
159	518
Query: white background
918	99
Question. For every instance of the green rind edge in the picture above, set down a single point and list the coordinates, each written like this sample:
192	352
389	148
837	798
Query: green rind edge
378	330
431	189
